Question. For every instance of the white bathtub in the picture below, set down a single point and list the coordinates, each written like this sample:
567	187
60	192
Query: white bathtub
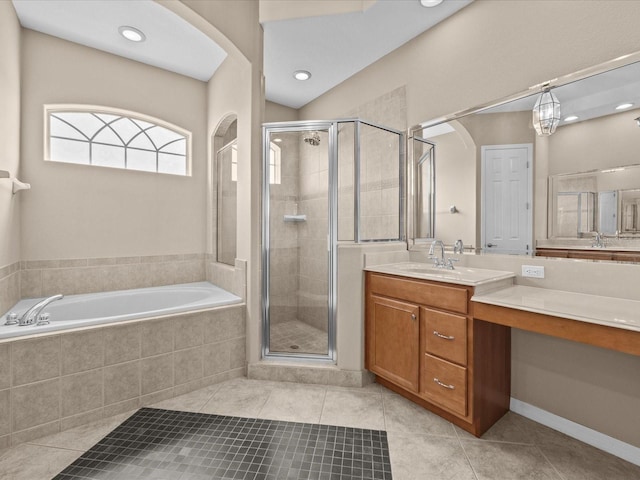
74	311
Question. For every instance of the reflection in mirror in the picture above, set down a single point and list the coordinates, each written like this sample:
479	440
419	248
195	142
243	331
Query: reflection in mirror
422	191
630	210
593	135
226	167
604	201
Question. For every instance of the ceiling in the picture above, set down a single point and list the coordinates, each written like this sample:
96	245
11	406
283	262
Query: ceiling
172	43
332	47
335	47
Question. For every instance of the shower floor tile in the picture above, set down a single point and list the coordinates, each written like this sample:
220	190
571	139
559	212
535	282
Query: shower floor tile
166	444
297	337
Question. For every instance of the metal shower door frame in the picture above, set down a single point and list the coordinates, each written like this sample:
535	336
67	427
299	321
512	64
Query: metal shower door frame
332	237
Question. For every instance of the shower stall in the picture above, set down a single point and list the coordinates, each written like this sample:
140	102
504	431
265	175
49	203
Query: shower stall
325	183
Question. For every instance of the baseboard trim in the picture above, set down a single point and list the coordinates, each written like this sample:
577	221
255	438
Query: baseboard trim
587	435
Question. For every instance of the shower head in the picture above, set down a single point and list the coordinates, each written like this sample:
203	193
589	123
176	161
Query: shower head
312	138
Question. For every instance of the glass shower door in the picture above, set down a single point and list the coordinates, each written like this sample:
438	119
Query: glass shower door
297	241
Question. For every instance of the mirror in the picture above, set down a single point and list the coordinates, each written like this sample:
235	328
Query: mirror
584	173
225	189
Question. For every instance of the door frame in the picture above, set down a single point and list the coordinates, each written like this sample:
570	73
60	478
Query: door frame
483	203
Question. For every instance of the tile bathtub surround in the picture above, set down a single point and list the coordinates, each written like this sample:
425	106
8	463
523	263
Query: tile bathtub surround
155	443
59	380
421	445
9	286
39	278
231	278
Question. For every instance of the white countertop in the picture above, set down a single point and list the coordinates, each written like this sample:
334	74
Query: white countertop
426	271
609	311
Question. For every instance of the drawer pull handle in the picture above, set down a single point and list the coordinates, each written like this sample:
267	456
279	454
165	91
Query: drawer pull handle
450	387
446	337
413	316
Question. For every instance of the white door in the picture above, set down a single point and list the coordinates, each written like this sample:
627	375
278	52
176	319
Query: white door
507	220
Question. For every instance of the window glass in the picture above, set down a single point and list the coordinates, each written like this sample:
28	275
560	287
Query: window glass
274	164
116	139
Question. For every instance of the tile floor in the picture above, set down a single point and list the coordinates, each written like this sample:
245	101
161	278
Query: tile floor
421	445
297	337
156	443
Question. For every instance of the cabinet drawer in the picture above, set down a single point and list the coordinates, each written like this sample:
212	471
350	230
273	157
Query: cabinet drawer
444	383
442	296
444	335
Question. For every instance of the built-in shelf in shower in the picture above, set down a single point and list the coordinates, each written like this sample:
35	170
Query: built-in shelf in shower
295	218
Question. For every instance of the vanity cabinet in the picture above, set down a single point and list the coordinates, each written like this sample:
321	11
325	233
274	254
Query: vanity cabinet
423	342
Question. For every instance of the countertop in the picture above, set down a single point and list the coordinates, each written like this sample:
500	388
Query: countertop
607	311
459	275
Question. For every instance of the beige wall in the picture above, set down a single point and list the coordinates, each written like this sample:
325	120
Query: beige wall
237	87
9	133
604	142
76	211
464	63
274	112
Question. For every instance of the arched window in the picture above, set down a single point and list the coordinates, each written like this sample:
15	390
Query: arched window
115	138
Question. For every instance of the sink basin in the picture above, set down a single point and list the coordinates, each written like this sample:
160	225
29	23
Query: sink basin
461	275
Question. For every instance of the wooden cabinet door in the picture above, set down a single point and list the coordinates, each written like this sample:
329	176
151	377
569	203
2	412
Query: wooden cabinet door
393	341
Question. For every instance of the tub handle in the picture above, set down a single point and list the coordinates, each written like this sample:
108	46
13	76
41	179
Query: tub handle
43	319
12	319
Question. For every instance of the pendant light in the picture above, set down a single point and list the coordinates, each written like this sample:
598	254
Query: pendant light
546	113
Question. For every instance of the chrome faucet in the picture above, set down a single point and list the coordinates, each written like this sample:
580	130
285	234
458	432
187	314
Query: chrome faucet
458	247
440	261
31	316
599	241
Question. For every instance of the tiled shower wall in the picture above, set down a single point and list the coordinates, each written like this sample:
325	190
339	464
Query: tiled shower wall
284	281
379	169
313	287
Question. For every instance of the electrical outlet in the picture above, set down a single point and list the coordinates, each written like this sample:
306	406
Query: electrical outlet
532	271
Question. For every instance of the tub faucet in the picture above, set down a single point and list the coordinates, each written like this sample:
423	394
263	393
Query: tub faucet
30	316
458	247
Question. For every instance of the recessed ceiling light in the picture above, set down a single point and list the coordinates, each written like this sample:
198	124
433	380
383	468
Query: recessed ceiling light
301	75
624	106
570	118
132	33
430	3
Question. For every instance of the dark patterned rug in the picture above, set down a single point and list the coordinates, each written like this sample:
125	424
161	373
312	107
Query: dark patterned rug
172	445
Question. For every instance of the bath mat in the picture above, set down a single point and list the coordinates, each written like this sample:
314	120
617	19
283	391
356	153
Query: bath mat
173	445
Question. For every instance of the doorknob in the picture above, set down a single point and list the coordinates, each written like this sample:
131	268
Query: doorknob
491	245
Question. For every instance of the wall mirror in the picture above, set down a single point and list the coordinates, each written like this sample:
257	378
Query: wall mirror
585	178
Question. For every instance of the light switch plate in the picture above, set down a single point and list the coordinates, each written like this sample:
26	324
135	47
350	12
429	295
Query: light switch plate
532	271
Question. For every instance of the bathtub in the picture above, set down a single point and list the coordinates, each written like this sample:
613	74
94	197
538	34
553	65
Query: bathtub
75	311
